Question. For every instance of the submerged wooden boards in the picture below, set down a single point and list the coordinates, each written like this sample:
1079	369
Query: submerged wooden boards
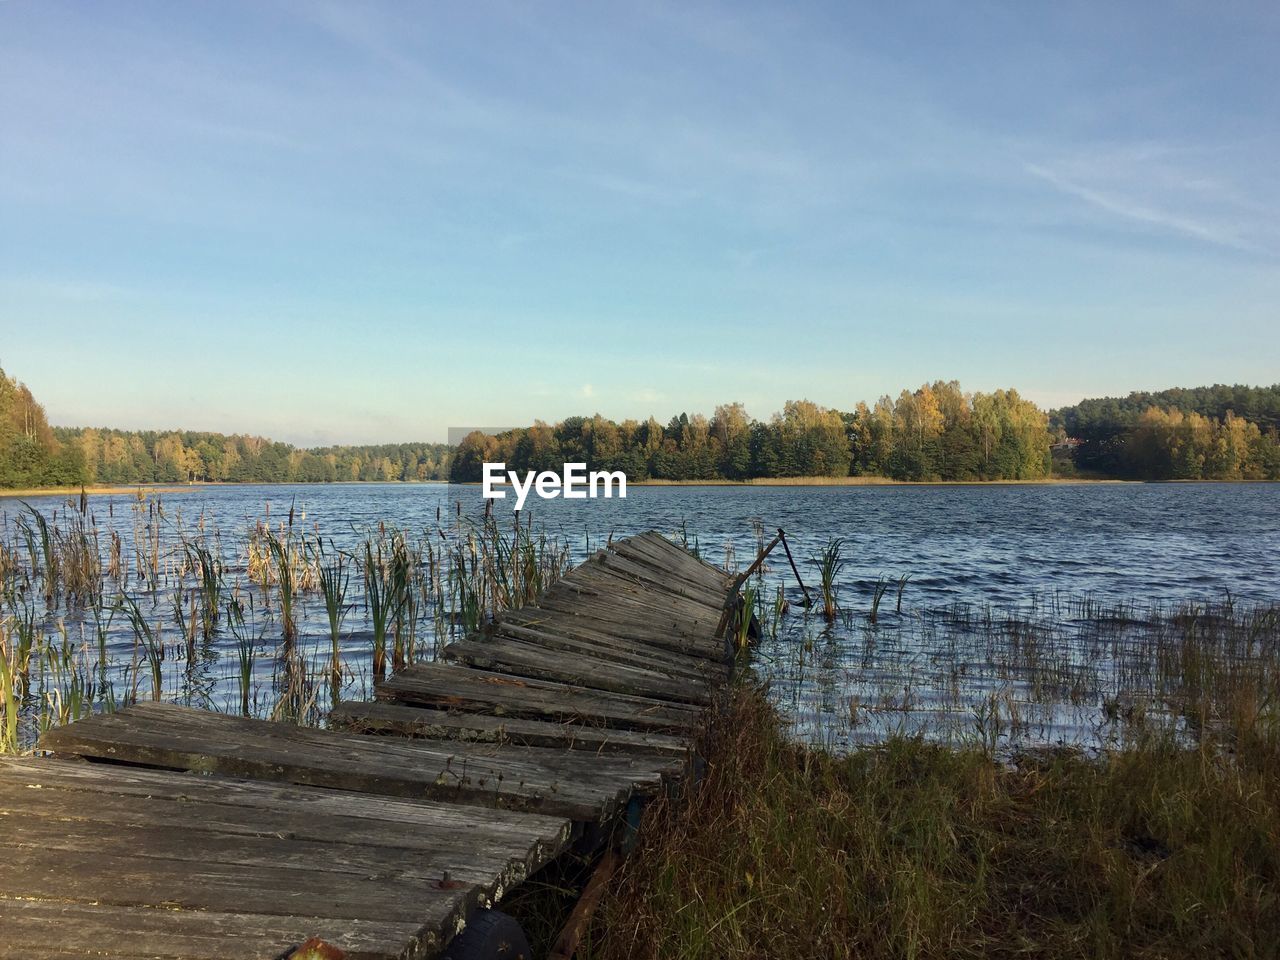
560	782
104	860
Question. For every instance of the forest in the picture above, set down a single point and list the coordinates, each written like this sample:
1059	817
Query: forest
936	432
30	454
183	456
33	454
1204	433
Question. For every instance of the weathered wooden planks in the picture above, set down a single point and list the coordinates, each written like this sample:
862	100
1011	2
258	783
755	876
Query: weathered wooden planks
606	649
461	688
559	782
530	658
115	861
572	621
407	721
567	707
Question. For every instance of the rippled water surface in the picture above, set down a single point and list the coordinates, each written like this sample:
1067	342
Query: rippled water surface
1051	557
990	543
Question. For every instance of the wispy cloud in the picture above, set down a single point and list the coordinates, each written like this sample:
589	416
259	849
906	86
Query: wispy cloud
1145	184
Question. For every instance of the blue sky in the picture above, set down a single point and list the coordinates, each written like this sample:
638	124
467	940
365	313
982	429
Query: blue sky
371	221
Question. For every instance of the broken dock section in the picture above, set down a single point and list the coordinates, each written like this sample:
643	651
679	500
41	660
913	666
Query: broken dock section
204	835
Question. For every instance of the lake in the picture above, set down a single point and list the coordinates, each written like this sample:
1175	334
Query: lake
1051	560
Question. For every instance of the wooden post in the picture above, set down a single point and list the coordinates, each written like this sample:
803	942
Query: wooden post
783	537
576	925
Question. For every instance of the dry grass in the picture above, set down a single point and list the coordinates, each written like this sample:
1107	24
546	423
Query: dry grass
917	850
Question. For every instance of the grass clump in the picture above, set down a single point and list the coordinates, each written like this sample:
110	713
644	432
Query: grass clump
918	850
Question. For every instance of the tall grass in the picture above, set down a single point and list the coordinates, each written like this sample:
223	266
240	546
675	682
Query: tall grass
913	849
382	598
9	687
878	592
210	584
284	557
334	576
258	625
829	563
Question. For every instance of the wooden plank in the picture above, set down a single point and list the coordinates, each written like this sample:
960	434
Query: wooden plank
72	831
44	929
651	627
613	573
409	837
407	721
671	553
311	809
602	621
569	621
349	836
460	688
517	657
659	585
148	880
557	782
611	650
99	857
656	551
643	607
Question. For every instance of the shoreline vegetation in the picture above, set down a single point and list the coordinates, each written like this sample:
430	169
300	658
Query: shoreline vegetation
908	848
935	434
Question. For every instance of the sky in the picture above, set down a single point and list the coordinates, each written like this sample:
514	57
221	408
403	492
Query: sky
368	222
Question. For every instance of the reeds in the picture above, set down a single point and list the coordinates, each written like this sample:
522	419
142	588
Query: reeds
9	693
878	591
283	554
210	583
829	563
383	597
146	642
334	576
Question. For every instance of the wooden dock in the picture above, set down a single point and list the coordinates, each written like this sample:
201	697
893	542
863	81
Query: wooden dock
203	835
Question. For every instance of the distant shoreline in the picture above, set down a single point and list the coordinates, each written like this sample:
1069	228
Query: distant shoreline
159	488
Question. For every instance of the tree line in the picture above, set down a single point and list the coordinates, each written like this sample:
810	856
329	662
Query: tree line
937	432
183	456
1205	433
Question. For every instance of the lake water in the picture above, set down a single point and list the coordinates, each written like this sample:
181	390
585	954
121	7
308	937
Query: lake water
1033	553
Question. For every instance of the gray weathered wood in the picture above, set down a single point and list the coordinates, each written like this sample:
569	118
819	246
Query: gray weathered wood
526	659
456	687
395	718
98	857
521	778
381	845
614	650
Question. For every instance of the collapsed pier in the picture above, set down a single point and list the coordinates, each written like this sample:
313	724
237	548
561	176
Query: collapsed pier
194	834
